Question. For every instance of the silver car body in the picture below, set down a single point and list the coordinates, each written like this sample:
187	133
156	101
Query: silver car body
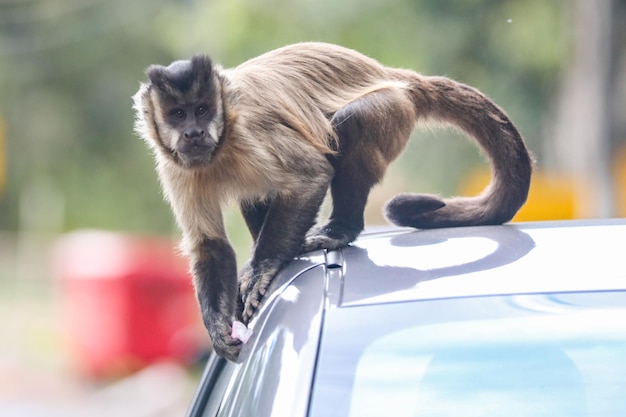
290	367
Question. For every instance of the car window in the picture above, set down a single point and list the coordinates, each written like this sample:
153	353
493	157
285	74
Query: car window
531	355
220	389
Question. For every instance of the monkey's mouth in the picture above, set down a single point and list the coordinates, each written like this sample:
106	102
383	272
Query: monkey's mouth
193	155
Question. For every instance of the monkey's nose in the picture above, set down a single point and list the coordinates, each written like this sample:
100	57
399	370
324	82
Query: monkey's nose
195	143
195	134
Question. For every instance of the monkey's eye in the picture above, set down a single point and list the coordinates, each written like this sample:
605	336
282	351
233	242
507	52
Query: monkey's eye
178	114
202	109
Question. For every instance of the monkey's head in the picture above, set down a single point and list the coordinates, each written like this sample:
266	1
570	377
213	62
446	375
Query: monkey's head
180	111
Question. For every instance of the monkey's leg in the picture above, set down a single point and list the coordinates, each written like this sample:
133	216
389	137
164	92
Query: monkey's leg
350	189
215	278
254	213
280	239
372	131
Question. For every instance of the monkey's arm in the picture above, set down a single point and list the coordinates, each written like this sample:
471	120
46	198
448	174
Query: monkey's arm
215	276
279	239
214	268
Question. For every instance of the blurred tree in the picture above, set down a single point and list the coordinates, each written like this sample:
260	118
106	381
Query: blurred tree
68	69
586	127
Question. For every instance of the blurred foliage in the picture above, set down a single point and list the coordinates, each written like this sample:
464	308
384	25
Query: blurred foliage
68	69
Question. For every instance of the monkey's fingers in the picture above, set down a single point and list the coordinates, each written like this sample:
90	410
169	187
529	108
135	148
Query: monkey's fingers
254	284
253	299
331	236
245	280
220	330
226	346
324	241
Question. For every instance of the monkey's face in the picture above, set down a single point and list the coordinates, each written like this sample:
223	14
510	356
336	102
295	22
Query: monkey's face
187	108
190	131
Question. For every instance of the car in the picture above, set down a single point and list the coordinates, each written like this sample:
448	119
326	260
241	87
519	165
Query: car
523	319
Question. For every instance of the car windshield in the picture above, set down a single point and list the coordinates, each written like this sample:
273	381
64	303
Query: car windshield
528	355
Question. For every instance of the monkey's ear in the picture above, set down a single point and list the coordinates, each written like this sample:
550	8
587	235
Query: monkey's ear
157	76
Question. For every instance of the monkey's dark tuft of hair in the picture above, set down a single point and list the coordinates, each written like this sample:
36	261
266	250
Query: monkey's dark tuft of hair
201	68
156	75
201	64
181	75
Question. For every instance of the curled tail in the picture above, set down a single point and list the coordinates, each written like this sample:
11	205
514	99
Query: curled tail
444	100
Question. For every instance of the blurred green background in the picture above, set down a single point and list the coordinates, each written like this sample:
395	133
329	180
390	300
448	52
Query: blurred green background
68	69
69	159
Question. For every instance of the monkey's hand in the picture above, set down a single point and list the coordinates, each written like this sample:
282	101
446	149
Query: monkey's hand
220	330
253	285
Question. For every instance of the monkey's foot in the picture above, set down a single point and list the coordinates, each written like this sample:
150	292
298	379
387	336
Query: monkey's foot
253	285
331	236
220	330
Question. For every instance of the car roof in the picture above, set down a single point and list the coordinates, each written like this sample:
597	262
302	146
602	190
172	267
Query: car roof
394	265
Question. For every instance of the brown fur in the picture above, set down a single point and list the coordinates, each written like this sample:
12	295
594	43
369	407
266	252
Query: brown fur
282	128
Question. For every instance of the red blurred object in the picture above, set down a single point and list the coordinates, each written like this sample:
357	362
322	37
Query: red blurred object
129	302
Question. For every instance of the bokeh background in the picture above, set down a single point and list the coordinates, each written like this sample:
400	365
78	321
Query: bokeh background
69	160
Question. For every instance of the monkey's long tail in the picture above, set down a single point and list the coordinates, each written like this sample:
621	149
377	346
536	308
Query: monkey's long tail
442	99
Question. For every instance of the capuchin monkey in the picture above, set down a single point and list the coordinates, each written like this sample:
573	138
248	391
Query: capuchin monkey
275	132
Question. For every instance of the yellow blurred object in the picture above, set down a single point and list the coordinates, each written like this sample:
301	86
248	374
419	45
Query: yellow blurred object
619	174
551	197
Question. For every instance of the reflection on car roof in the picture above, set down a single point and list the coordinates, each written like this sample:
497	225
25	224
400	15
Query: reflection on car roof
406	264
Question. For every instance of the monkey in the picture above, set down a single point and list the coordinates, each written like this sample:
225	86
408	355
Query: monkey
276	132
